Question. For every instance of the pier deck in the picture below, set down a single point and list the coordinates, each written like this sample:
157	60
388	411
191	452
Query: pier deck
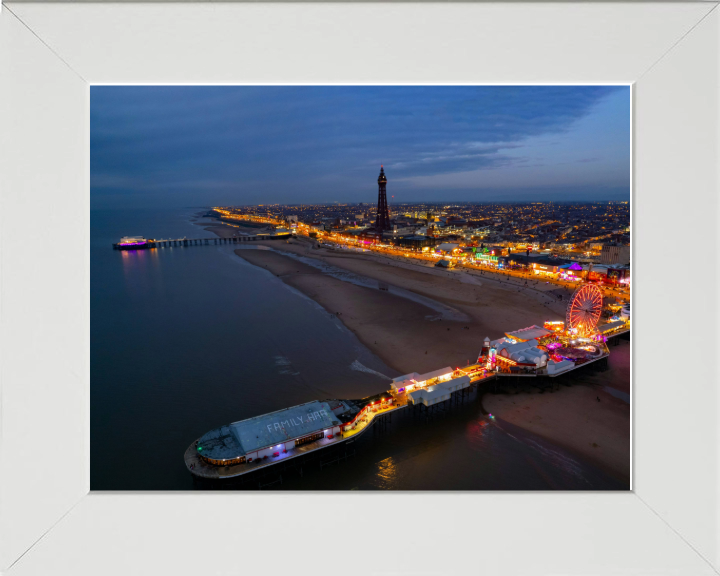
185	242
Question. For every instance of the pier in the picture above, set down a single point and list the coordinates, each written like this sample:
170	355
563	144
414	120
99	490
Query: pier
333	450
185	242
299	455
613	339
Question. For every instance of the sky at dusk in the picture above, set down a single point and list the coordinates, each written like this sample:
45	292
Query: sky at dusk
182	146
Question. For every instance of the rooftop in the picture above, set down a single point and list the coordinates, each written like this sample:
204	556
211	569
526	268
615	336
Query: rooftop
245	436
528	333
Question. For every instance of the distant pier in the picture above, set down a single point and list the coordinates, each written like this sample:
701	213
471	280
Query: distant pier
185	242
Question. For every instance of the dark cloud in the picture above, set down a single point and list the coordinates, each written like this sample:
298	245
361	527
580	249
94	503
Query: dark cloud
241	144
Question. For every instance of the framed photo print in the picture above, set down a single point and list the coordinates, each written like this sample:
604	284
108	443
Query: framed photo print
401	281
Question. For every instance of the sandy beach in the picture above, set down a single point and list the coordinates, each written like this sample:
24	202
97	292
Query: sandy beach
401	328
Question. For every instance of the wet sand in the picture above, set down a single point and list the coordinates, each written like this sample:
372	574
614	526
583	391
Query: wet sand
573	418
408	336
405	330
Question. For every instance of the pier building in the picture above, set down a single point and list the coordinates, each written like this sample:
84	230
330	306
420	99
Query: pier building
132	243
270	434
439	392
409	382
525	334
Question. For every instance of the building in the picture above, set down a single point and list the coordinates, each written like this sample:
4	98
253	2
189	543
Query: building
547	350
438	392
486	257
419	243
618	275
545	269
611	327
277	234
625	312
573	271
448	248
522	354
526	334
512	354
131	243
412	381
615	254
444	263
268	435
397	231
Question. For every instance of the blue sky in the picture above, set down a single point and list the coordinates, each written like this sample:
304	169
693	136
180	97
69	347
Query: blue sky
191	146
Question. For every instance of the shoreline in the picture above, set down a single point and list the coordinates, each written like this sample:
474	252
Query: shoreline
572	418
543	292
404	335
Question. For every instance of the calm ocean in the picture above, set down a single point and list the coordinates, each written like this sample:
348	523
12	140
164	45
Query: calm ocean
186	339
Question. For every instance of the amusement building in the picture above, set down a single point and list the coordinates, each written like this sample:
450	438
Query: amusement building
558	346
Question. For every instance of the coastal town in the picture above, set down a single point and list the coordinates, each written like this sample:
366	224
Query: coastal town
566	243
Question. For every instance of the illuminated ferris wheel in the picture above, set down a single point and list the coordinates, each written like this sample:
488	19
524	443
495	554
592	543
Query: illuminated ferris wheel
583	311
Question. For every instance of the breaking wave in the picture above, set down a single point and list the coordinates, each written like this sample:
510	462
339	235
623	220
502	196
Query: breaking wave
358	367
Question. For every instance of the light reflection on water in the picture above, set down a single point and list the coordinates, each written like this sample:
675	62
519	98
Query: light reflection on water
387	474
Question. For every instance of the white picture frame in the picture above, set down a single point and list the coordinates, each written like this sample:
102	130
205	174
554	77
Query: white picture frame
50	53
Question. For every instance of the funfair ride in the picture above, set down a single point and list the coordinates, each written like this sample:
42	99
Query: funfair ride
583	311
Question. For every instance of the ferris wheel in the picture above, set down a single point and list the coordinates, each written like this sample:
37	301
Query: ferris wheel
583	311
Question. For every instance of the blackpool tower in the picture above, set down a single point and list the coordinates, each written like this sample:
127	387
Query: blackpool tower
382	222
